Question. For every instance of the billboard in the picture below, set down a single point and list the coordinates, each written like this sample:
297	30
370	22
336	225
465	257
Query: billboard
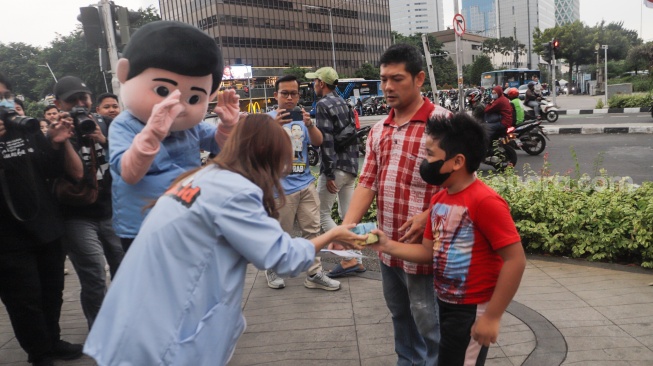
232	72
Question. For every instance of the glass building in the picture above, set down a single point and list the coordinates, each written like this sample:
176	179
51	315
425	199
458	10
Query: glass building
480	17
416	16
280	33
567	11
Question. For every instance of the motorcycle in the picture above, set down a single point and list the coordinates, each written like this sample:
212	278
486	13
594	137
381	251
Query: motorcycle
530	137
547	110
502	153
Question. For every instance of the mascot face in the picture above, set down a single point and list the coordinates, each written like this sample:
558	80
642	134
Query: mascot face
140	93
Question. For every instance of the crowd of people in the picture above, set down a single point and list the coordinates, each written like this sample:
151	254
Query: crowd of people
450	256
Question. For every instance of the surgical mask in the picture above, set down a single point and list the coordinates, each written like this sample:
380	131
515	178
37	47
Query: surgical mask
7	103
495	96
430	172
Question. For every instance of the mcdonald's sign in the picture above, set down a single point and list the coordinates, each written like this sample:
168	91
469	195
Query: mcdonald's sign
254	108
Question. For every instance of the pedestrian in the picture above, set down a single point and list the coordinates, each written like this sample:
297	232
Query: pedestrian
177	299
302	202
395	148
470	239
339	163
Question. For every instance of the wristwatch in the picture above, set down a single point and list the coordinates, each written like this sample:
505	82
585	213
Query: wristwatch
311	125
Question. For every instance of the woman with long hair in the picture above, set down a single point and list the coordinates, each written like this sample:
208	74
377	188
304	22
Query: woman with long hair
177	297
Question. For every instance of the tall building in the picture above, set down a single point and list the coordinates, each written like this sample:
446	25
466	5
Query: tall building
416	16
281	33
510	18
567	11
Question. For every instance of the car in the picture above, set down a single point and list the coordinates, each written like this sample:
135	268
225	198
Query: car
522	91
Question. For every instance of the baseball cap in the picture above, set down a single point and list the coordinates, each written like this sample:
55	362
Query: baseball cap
69	85
326	74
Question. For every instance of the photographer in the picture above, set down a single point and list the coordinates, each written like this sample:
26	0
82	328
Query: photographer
31	254
89	236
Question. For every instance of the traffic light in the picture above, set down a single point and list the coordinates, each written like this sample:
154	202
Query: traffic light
555	45
91	21
125	19
547	52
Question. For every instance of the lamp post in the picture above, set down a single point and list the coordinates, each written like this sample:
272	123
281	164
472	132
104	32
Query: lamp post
605	77
48	66
333	44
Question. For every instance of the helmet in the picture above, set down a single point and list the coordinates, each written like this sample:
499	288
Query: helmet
474	95
512	93
531	85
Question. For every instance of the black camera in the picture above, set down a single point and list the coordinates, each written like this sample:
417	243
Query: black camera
14	121
83	123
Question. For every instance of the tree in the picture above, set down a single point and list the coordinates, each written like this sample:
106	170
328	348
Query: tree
641	58
19	63
480	65
441	67
576	45
505	46
368	72
297	71
148	15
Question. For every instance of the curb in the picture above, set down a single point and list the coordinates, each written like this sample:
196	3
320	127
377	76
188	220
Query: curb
592	130
604	111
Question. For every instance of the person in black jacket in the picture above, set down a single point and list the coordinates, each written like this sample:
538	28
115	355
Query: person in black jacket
31	254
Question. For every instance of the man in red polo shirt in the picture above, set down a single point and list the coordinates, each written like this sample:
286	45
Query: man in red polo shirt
395	150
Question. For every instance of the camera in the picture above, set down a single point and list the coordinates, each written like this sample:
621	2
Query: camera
14	121
83	123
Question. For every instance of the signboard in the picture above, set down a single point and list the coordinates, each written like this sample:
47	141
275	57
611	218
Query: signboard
459	24
236	72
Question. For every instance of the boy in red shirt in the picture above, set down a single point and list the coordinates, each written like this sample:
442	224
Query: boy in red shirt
470	237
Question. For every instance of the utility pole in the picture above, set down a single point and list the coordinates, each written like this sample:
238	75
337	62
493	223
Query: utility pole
553	72
429	65
112	49
459	67
605	77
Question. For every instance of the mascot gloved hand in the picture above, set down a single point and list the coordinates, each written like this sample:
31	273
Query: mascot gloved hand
168	74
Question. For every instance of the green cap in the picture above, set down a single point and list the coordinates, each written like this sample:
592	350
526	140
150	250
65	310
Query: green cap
326	74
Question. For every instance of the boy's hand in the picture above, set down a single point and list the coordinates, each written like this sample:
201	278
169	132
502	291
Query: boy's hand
383	244
228	107
485	330
163	114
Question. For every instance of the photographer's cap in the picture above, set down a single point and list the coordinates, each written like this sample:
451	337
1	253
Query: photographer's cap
326	74
69	85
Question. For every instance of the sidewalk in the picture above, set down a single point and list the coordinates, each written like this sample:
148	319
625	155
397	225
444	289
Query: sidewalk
566	312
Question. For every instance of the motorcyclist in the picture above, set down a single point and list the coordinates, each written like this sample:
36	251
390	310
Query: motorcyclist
533	100
475	102
513	95
498	114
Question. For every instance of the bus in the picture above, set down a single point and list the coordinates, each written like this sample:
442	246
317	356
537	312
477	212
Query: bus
353	89
514	77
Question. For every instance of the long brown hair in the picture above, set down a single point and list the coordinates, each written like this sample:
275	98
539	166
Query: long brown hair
260	150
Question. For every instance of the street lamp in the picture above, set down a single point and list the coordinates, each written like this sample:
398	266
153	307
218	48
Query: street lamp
605	47
333	44
48	66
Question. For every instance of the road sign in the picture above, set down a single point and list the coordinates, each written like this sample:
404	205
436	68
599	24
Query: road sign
459	24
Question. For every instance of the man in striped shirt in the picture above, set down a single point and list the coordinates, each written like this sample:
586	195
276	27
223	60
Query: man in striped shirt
395	149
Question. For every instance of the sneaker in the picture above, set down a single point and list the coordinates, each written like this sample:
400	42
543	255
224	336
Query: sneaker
274	281
63	350
322	281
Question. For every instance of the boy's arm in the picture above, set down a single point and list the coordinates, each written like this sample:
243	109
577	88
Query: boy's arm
486	328
408	252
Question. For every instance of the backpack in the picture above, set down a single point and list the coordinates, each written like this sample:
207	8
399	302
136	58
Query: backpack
346	136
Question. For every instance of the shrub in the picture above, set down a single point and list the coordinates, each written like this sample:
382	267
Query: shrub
599	104
630	101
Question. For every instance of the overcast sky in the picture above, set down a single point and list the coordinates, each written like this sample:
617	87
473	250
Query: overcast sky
37	22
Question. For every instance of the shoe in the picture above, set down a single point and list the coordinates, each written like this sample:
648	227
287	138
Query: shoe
274	281
339	271
322	281
63	350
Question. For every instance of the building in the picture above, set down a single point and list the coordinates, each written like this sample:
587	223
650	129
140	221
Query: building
511	18
280	33
416	16
471	44
567	11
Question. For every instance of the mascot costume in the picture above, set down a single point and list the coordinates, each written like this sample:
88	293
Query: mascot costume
168	73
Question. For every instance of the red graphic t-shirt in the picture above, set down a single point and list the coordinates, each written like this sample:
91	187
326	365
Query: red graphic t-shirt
467	228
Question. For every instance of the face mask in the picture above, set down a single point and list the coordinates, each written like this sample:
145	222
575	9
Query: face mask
7	103
495	96
430	172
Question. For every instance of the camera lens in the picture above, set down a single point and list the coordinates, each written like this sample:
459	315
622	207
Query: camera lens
86	126
14	121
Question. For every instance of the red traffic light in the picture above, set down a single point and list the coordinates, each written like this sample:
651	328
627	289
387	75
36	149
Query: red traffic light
556	44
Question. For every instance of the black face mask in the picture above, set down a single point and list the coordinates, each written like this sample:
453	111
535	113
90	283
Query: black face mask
430	172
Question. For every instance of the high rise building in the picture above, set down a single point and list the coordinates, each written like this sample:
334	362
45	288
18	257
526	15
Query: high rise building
416	16
281	33
567	11
510	18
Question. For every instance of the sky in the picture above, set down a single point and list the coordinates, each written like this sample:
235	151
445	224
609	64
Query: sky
44	19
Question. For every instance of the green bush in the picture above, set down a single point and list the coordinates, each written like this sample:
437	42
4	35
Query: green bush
600	218
630	101
643	84
599	104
